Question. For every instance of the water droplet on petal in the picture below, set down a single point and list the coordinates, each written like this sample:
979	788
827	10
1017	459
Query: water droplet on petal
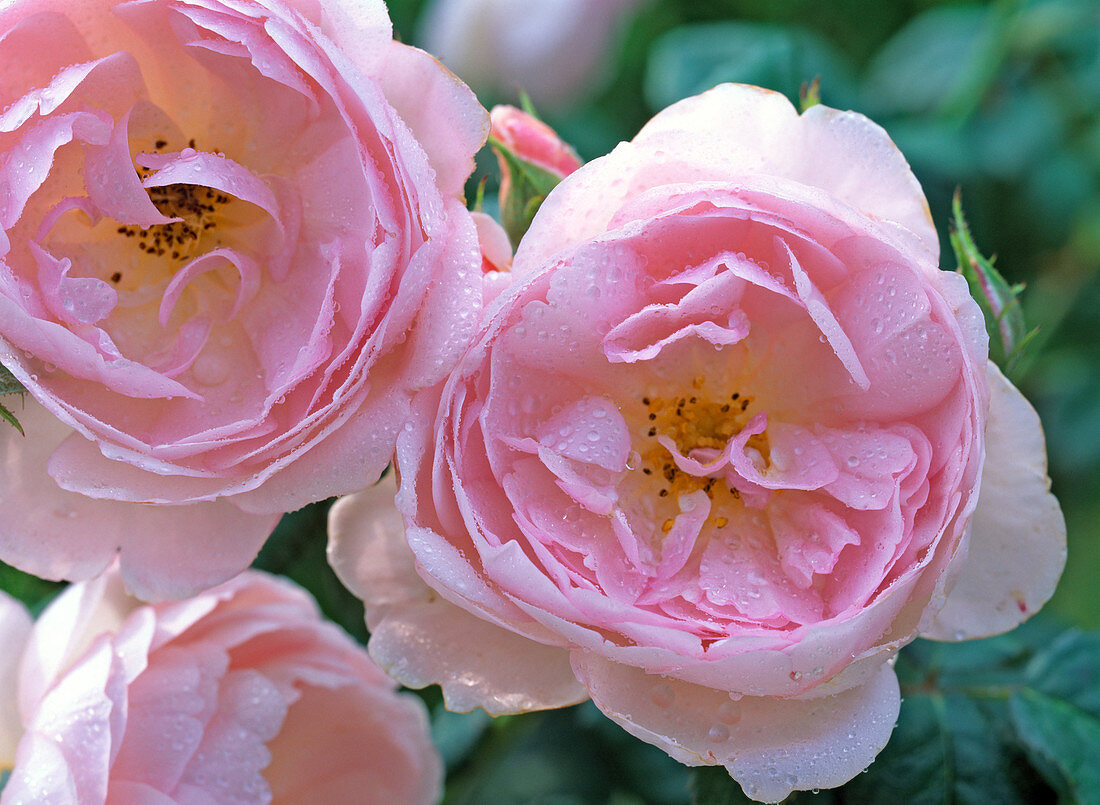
662	695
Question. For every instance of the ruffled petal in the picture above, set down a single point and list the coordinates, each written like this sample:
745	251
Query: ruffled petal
423	639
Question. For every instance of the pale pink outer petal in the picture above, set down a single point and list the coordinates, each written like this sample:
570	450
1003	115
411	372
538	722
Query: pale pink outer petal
47	780
65	630
770	746
423	639
442	112
74	731
15	627
1018	535
57	534
355	744
496	249
841	153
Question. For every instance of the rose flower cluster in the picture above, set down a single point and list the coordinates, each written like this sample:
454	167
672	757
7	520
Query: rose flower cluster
711	447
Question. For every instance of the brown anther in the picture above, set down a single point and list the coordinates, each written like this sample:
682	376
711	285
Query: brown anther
645	400
647	470
116	277
652	417
663	493
652	431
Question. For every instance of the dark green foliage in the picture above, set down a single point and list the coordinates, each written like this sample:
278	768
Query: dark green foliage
999	301
296	549
36	593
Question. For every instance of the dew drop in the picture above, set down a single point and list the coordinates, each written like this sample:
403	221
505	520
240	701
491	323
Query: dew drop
719	733
729	713
662	695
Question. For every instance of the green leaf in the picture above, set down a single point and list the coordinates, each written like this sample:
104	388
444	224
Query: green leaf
36	593
1057	714
530	185
942	62
693	58
946	748
10	385
959	737
999	301
1064	736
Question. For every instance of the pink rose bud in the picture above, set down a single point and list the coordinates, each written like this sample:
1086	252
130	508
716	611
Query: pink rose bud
532	159
729	441
241	694
533	141
232	246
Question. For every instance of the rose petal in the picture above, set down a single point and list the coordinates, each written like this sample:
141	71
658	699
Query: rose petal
423	639
191	550
1017	543
443	113
770	746
15	626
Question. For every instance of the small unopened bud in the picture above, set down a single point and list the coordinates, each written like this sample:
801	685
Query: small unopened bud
533	159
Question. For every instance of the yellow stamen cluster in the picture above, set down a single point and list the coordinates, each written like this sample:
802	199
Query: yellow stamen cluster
197	205
693	420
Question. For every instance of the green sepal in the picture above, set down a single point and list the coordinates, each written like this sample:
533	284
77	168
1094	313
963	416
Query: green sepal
479	197
999	301
809	95
527	105
9	384
530	185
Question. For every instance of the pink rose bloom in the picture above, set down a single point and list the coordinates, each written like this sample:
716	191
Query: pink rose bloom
532	141
552	49
240	695
715	456
232	245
